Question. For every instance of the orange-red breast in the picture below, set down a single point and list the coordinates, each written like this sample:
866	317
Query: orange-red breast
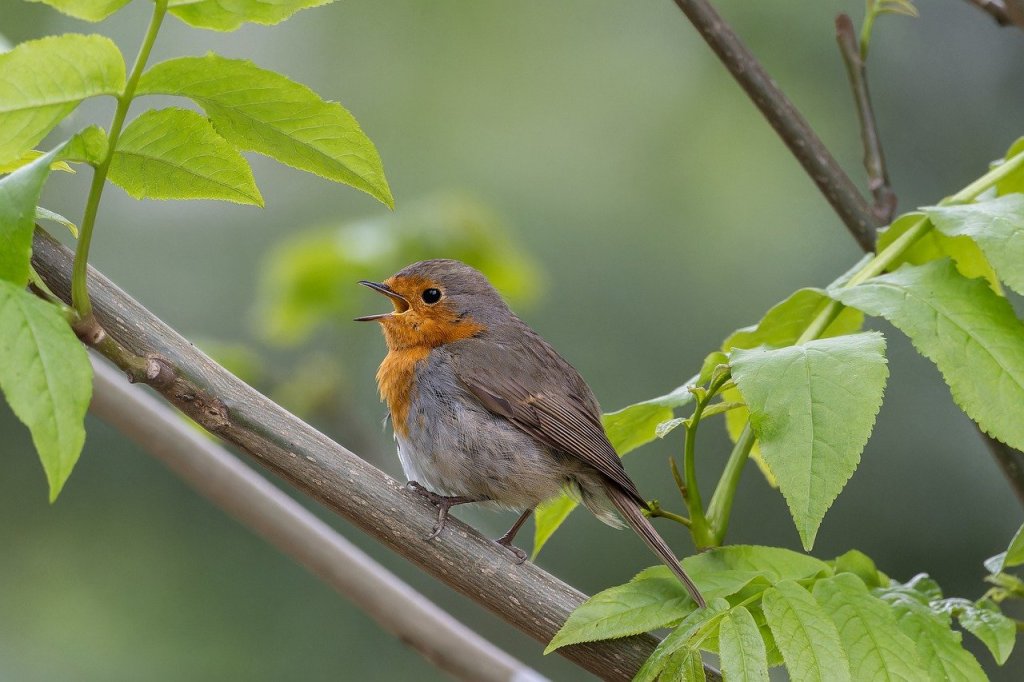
485	410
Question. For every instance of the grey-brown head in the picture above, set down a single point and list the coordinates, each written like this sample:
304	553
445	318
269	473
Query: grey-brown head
436	302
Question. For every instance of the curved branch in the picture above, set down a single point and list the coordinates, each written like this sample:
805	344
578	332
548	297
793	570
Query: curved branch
256	503
525	596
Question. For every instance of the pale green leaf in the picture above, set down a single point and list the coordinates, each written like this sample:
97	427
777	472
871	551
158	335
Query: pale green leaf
42	81
775	563
812	408
968	331
87	10
968	257
262	111
547	518
46	378
1015	181
47	214
30	156
875	646
228	15
860	565
996	225
939	648
741	648
690	634
176	154
805	634
985	621
781	326
1015	552
19	194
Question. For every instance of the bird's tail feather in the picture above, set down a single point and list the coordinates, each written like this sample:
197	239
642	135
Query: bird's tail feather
632	514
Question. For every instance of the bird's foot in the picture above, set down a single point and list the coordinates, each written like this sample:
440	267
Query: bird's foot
444	503
519	554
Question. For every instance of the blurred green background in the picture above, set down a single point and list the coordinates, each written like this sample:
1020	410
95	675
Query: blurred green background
661	213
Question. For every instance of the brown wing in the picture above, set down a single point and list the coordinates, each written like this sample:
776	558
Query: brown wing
536	389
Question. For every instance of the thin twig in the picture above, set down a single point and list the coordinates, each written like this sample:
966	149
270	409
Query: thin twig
884	208
802	141
256	503
523	595
1005	14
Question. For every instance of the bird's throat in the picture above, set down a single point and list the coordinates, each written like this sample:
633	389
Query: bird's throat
396	379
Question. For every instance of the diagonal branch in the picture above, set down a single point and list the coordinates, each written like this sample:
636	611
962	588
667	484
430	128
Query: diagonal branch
798	135
297	532
525	596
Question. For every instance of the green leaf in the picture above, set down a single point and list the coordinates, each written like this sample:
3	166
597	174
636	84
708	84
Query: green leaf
860	565
46	377
228	15
42	81
262	111
969	259
985	621
938	646
685	665
30	156
968	331
690	634
805	634
176	154
874	644
19	194
87	10
627	429
47	214
812	408
775	563
741	648
996	225
1015	552
1015	181
643	604
781	326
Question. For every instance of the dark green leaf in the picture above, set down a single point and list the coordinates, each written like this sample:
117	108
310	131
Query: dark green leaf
969	332
46	377
690	634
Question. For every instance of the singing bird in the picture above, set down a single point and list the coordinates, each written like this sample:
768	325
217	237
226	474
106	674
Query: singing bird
485	410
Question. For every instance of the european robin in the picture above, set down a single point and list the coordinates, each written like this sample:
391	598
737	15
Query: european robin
485	410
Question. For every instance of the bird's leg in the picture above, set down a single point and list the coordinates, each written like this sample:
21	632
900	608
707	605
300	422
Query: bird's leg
443	503
506	539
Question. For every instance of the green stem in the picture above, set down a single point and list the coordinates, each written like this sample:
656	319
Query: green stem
698	524
79	291
657	512
721	501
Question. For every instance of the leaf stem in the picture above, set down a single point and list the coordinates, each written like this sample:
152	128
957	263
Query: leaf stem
79	291
721	501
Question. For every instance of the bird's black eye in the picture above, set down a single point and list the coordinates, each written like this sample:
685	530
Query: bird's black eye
431	296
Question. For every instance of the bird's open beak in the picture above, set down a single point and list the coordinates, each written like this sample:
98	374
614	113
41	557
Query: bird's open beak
400	302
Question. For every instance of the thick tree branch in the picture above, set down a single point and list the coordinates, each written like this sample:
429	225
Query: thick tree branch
802	141
884	208
524	595
257	504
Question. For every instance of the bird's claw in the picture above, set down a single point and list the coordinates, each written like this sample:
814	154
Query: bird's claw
519	554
